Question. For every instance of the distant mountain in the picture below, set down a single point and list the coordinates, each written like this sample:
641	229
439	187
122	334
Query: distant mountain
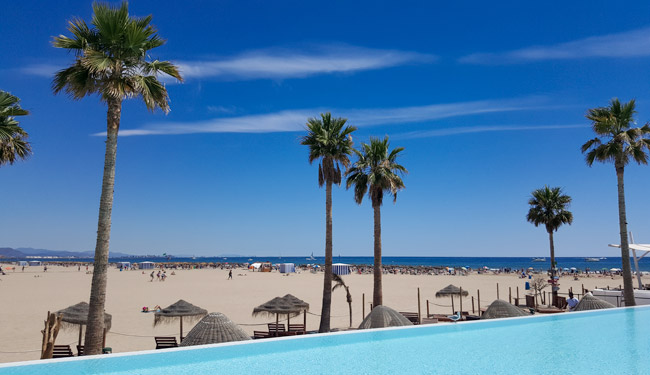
23	252
7	252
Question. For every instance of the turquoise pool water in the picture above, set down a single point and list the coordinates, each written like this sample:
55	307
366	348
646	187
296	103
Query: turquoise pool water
597	342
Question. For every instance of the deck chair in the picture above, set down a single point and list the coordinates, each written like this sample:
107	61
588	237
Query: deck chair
413	317
276	329
80	350
299	329
62	351
260	335
165	342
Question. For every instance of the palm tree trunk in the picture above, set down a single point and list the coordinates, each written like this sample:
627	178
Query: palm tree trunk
350	307
552	244
377	295
628	288
95	327
327	280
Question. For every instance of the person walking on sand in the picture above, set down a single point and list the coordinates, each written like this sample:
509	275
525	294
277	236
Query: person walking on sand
151	276
230	275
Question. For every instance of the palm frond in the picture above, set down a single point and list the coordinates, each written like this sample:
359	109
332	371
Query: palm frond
112	58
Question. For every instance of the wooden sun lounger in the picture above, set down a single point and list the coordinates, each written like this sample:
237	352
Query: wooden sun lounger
80	350
260	335
276	329
299	329
62	351
413	317
165	342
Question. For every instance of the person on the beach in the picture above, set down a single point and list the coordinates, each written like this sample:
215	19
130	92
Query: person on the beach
230	275
572	302
44	268
151	276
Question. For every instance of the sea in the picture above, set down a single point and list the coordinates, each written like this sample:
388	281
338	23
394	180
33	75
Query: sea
579	263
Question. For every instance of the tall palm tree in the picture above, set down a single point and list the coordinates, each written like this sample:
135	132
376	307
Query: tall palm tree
376	171
330	141
341	284
618	142
548	207
13	139
112	60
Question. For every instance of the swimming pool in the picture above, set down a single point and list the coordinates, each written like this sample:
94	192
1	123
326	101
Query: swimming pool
593	342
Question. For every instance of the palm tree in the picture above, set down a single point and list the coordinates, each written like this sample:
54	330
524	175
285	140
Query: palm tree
548	207
13	143
329	141
376	172
112	61
341	284
618	142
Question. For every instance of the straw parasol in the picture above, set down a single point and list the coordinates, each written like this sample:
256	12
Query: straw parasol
451	290
589	302
383	316
289	305
214	328
181	309
77	315
502	309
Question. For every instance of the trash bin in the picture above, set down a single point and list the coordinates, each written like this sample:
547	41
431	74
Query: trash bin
527	285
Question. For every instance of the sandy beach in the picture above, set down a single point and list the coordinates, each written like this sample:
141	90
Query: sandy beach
27	296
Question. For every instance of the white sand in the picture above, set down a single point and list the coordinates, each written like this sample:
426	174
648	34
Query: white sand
25	300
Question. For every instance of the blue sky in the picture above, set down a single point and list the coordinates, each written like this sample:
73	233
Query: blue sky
487	99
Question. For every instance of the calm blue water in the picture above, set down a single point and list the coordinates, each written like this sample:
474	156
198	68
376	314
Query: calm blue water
473	262
596	342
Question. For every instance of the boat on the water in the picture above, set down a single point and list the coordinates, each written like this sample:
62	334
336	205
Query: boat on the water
539	259
311	257
592	259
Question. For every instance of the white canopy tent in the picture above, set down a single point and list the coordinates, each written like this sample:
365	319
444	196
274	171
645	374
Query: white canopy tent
634	247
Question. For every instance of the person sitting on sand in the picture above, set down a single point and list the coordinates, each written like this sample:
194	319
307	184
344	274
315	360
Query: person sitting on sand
572	302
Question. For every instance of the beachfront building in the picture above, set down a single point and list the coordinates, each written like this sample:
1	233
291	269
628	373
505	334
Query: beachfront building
147	265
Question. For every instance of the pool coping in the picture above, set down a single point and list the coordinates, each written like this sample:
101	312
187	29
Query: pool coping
302	337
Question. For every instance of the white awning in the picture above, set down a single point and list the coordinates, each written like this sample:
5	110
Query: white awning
633	246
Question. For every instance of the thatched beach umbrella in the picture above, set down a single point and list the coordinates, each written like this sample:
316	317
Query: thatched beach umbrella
77	315
502	309
289	305
214	328
453	291
384	316
181	309
589	302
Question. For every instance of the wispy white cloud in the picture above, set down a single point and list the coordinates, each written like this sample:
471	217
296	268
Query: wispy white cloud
41	70
221	109
632	43
279	63
294	120
480	129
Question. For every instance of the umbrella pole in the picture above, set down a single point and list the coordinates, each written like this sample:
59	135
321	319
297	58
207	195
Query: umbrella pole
304	321
288	320
104	339
81	327
453	310
460	299
180	338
